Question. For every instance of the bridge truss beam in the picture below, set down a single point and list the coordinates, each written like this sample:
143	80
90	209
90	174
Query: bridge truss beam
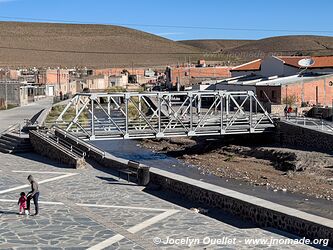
163	114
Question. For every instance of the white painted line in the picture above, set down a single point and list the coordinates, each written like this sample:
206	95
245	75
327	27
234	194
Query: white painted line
125	207
107	242
13	189
39	172
151	221
40	182
41	202
114	239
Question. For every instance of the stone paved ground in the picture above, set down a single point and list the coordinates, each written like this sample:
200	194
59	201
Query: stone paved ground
91	208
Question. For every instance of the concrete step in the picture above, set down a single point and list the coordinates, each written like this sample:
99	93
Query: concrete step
9	138
6	146
14	136
21	150
12	143
5	151
8	142
23	146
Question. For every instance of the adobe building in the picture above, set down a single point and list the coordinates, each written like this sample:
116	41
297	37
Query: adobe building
18	94
119	71
186	76
280	80
57	81
96	83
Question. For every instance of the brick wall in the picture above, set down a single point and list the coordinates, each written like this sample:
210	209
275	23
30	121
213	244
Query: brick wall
305	90
184	73
117	71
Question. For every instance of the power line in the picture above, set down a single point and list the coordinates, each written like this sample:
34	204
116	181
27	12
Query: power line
105	52
169	26
164	53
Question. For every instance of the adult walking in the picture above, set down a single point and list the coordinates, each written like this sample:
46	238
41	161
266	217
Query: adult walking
33	194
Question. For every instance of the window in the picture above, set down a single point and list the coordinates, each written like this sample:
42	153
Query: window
273	94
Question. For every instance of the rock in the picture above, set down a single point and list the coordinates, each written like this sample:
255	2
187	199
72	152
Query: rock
195	210
203	210
284	190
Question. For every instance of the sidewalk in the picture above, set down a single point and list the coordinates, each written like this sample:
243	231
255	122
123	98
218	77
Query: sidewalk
17	115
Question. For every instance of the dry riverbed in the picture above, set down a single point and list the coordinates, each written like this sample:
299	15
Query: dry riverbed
279	169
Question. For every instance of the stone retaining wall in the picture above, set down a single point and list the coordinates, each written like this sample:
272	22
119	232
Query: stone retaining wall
297	136
108	160
54	151
111	160
259	211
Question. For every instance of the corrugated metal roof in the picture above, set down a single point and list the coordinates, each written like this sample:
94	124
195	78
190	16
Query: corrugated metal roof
264	81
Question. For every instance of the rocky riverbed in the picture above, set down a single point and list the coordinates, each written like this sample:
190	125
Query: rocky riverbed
279	169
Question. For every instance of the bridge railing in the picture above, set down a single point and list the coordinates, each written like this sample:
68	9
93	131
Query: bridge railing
310	122
163	114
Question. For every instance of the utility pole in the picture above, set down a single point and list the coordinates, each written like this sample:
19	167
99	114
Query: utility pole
189	71
6	94
179	81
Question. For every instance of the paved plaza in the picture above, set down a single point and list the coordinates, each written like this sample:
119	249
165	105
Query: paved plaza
91	208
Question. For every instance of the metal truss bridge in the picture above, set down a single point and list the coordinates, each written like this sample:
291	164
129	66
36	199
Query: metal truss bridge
105	116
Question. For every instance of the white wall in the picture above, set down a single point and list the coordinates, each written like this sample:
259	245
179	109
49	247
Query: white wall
120	81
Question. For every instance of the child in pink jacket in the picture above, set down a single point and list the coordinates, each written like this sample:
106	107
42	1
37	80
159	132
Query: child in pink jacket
23	203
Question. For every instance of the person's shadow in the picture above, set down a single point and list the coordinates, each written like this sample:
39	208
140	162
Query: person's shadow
8	212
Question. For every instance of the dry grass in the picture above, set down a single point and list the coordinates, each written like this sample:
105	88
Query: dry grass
215	45
67	117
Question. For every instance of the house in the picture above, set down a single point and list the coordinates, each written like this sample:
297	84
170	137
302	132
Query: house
118	71
57	81
300	90
282	66
96	83
118	80
17	93
189	75
149	73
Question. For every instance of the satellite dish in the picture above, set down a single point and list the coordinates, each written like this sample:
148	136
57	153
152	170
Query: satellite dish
306	62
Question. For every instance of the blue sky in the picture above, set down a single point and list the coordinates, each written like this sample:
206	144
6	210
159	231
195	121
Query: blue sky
306	15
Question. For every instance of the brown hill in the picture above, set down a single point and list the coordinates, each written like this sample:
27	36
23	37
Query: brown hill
49	44
290	45
238	51
215	45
